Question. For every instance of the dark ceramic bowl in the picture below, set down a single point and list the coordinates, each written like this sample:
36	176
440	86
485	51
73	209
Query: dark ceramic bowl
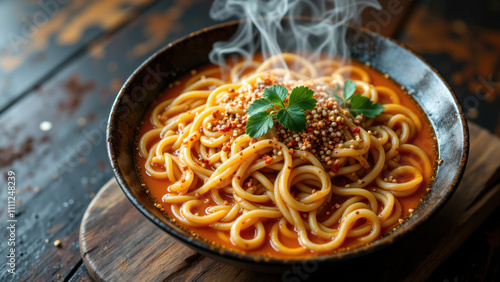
428	88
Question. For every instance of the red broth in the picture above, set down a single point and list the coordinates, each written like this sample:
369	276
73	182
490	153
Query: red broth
157	188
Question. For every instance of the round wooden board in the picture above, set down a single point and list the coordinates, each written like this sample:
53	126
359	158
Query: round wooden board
118	243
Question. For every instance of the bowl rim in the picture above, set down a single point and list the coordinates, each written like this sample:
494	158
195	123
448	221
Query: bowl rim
224	253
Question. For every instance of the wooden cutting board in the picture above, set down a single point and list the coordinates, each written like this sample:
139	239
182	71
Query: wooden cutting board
118	243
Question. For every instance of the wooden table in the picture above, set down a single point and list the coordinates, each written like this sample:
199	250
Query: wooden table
61	65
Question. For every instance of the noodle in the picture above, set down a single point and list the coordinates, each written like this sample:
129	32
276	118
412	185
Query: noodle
317	191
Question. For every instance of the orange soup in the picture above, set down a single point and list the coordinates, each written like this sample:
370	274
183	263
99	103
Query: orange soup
344	176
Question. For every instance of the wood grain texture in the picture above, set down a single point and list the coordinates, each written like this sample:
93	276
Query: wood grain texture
128	243
42	36
458	39
73	87
80	275
69	164
104	57
117	242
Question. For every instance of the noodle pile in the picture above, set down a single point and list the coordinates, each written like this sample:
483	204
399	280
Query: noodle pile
339	179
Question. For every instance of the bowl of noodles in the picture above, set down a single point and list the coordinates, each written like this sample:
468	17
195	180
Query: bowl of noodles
241	167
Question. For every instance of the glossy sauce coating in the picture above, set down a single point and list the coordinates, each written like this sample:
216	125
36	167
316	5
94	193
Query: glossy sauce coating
157	188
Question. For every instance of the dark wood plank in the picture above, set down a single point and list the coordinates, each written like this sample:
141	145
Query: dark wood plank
462	42
77	99
386	20
40	36
137	250
81	274
113	254
478	258
60	170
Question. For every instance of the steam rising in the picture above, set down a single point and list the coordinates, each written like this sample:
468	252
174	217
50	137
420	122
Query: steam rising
278	34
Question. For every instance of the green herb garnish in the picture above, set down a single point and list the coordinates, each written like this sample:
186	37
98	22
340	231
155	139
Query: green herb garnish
362	105
292	117
358	104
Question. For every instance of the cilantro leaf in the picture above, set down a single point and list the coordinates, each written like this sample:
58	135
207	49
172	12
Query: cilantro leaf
332	93
259	105
292	118
302	96
259	123
349	89
362	105
358	104
276	94
339	99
